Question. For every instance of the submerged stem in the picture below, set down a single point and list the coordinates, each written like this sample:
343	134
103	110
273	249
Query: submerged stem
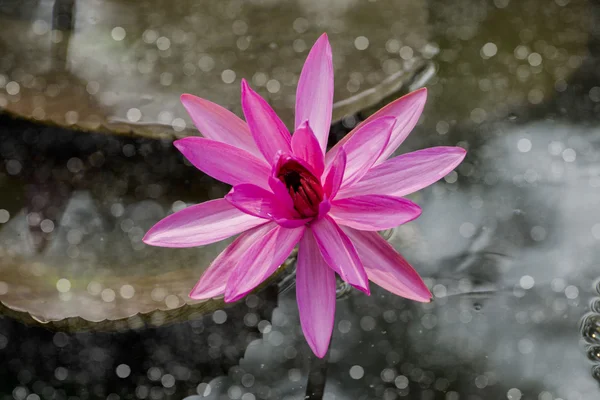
315	386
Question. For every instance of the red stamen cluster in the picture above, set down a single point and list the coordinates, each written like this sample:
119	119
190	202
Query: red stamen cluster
304	188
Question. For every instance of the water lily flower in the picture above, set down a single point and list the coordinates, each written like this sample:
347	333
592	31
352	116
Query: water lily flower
288	191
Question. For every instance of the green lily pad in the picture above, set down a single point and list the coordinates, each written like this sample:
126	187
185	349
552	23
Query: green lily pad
86	267
72	218
121	66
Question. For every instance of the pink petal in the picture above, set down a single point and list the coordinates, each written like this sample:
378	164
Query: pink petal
314	96
280	191
386	268
407	173
335	174
224	162
363	148
306	147
261	260
373	212
213	280
292	222
339	253
201	224
406	110
270	134
324	208
259	202
219	124
315	293
281	158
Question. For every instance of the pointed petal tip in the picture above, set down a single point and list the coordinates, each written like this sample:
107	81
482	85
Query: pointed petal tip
150	237
245	87
323	40
319	348
186	97
147	239
304	125
422	294
418	211
318	342
425	299
417	297
420	93
314	93
269	132
415	99
319	351
457	151
189	101
366	290
177	143
181	144
232	299
418	294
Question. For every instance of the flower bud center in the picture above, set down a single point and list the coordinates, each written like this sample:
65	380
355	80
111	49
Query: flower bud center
304	188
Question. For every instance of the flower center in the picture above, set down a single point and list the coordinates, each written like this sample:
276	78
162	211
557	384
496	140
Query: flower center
304	188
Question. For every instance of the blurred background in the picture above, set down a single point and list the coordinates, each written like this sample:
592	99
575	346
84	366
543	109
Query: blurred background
508	243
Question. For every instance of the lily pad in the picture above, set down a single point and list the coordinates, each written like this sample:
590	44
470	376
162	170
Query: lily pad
71	224
121	66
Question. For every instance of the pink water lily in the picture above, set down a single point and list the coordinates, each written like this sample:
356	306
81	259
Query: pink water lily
287	191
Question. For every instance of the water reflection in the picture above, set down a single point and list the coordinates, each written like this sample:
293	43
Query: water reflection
121	66
148	363
590	331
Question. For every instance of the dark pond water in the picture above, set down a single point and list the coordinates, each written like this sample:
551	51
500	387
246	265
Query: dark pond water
508	243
